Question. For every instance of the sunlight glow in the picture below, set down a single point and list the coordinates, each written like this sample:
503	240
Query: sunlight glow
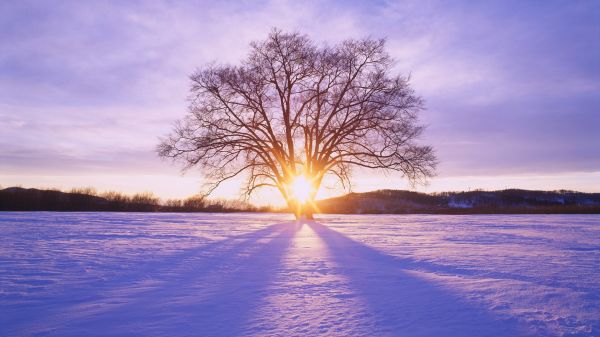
301	189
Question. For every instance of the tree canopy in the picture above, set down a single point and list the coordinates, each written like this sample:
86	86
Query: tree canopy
294	109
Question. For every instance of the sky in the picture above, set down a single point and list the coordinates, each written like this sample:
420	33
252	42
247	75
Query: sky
512	88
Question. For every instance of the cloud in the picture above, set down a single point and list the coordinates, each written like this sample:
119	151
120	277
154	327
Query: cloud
511	87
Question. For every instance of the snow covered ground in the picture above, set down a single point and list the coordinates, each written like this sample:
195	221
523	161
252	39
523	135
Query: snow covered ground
86	274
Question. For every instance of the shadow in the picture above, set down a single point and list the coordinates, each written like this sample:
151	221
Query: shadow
402	302
211	290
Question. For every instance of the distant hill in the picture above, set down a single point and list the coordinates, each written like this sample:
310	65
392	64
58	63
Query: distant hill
87	200
31	199
504	201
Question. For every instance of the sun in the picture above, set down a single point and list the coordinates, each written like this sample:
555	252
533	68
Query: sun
301	189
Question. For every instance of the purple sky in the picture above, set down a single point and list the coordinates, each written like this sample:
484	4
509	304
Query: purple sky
512	88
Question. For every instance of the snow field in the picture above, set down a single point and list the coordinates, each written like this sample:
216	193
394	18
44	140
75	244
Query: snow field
118	274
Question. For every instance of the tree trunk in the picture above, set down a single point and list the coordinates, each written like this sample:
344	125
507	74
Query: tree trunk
302	212
305	214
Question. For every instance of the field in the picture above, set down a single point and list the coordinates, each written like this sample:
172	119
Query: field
149	274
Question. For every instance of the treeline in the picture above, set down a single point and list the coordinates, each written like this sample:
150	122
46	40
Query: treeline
88	199
376	202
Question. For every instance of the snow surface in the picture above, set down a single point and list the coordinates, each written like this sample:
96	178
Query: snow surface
86	274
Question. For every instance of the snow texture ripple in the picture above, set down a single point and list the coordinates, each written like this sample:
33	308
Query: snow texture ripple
149	274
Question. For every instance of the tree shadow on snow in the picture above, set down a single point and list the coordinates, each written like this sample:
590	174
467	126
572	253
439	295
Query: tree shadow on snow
401	302
214	289
209	290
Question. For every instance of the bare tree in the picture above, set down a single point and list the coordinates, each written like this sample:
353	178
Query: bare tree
293	112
